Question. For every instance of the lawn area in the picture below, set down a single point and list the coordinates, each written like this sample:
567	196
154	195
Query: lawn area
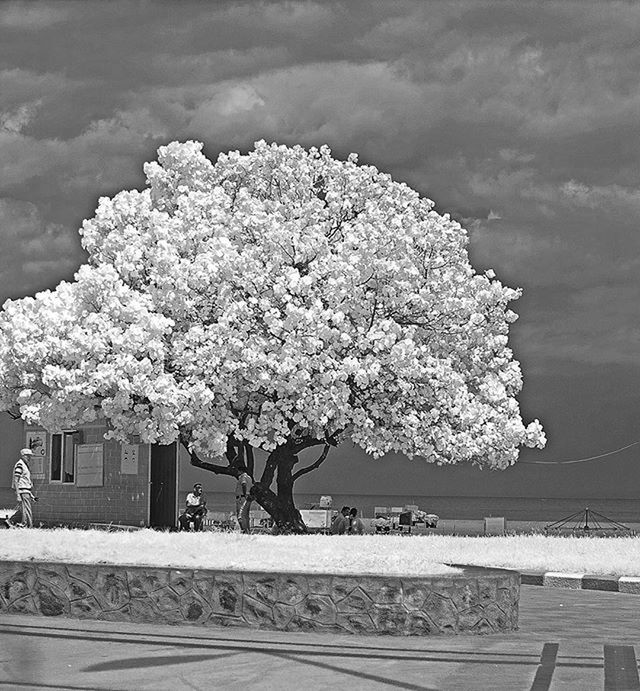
306	553
414	555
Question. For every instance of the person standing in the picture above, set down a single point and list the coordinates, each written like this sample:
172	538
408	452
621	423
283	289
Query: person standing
243	500
23	486
356	526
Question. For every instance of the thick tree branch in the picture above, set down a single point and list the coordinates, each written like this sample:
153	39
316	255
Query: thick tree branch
306	444
269	469
234	452
249	460
213	467
205	465
313	466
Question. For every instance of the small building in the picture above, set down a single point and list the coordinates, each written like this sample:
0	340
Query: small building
80	478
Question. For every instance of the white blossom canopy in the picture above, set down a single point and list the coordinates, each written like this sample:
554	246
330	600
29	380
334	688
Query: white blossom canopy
277	293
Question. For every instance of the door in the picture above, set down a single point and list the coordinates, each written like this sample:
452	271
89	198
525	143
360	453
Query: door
163	486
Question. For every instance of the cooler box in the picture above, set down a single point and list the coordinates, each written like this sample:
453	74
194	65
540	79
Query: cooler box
318	519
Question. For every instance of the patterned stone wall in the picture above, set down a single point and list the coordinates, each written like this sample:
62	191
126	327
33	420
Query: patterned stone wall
476	601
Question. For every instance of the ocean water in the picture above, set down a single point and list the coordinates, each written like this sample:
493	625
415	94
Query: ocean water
546	509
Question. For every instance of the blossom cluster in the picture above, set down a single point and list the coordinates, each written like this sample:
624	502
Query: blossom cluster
276	293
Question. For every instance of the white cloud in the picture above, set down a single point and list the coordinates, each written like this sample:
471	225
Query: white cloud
235	100
35	254
32	15
367	107
599	196
19	86
209	67
16	120
517	251
515	156
505	184
108	152
303	18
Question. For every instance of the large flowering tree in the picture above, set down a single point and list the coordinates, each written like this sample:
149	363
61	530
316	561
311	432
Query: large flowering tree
277	300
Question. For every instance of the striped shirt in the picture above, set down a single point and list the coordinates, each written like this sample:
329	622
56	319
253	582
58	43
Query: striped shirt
21	477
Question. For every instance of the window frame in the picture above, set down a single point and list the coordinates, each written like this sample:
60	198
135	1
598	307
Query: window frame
66	437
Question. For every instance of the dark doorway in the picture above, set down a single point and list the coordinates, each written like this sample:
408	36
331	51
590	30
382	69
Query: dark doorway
162	490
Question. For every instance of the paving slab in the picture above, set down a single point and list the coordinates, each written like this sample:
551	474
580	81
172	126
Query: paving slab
568	639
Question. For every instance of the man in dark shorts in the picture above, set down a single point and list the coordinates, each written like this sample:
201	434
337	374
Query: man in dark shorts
195	511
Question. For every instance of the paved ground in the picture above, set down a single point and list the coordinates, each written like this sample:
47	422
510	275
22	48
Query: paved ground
567	640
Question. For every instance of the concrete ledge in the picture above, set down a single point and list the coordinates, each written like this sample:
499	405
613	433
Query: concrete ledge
609	583
476	600
532	578
553	579
629	584
577	581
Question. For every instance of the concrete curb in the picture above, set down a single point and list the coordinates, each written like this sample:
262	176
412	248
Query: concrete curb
582	581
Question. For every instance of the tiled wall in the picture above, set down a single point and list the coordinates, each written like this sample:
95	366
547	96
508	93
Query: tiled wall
123	499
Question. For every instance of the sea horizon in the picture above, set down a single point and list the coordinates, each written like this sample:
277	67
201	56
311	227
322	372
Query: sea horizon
545	509
462	507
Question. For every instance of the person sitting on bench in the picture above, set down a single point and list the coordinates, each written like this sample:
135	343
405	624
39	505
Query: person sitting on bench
196	509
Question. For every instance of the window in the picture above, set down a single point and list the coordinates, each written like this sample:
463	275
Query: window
62	457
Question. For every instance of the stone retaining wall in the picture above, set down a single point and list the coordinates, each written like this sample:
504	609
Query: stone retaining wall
476	600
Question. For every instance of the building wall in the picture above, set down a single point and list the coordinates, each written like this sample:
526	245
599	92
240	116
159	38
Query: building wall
123	499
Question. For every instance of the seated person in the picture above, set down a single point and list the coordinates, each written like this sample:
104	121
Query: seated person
196	509
340	523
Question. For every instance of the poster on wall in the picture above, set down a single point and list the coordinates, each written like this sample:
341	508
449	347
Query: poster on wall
37	442
129	459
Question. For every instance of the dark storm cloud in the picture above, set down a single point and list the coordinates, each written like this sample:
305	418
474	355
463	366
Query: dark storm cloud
520	119
35	253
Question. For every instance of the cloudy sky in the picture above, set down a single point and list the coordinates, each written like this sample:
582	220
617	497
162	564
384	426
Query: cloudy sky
519	119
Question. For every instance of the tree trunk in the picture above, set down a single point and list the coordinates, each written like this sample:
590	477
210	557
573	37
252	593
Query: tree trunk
279	466
280	506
